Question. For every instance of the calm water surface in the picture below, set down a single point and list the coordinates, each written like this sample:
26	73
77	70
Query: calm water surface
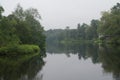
65	62
81	62
61	67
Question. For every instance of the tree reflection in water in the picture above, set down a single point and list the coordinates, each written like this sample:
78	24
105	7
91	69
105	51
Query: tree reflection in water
20	68
108	56
28	67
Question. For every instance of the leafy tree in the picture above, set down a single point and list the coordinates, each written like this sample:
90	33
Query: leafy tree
8	31
19	13
1	11
81	30
110	24
91	31
116	9
22	27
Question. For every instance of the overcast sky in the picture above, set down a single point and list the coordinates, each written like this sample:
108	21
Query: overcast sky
62	13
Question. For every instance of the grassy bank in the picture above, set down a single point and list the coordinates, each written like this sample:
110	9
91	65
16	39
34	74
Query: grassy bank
19	50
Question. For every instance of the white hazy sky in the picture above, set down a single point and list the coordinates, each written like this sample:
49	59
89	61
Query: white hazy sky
62	13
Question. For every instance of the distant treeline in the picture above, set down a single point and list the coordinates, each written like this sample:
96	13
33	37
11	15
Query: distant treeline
107	30
21	27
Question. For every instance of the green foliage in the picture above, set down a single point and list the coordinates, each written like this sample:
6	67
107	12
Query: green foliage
28	27
110	25
91	32
19	49
1	11
79	35
21	27
28	49
7	32
81	30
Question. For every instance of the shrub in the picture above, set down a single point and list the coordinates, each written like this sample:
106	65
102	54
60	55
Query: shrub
20	49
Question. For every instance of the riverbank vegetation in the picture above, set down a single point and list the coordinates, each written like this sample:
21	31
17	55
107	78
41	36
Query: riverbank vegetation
19	49
105	30
21	32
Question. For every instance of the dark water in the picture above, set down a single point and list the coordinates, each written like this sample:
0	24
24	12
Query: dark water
65	62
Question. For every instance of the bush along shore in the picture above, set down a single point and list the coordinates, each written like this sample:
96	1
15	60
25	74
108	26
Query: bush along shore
19	50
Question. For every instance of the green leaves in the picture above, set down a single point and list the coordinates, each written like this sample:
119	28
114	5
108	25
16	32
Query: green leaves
21	27
1	11
110	24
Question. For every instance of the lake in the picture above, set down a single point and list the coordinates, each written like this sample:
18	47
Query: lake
62	67
67	62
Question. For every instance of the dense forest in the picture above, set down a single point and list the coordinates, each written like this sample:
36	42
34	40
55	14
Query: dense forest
21	31
105	30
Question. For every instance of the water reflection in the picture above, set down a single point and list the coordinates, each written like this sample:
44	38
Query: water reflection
82	50
20	68
108	56
29	67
